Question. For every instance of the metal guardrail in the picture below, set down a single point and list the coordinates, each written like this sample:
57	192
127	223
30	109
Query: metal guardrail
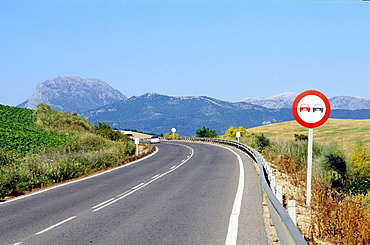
286	229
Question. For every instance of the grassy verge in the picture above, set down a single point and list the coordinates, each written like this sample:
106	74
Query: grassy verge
60	146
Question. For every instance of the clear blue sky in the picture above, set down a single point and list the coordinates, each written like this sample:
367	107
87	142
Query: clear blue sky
228	50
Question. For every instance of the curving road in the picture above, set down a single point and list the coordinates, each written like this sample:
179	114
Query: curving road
186	193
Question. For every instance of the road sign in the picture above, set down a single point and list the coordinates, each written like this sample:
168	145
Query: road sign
173	130
311	109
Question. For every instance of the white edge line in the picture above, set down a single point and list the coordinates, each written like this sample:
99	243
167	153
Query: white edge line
77	180
232	232
53	226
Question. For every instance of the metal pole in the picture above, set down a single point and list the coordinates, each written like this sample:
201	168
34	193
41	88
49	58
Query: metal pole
309	167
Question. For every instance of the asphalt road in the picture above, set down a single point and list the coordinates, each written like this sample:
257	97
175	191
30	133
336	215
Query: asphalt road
186	193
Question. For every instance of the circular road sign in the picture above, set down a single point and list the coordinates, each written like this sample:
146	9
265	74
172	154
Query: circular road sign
173	130
311	109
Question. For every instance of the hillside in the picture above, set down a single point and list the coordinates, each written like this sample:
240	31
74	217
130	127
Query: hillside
73	94
159	113
19	133
42	147
344	132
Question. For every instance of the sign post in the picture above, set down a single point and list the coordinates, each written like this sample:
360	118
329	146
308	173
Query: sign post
311	109
173	130
137	142
238	135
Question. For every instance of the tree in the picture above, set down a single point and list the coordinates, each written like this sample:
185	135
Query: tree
206	133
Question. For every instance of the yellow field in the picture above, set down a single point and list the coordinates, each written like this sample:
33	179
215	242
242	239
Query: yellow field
344	132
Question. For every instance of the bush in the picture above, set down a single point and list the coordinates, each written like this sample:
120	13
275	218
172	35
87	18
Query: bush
262	142
206	133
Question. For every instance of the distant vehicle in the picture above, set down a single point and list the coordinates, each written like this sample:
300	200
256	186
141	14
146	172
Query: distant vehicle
304	107
318	107
154	139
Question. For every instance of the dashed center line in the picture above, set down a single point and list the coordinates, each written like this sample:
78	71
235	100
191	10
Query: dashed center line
101	204
53	226
154	177
137	186
141	185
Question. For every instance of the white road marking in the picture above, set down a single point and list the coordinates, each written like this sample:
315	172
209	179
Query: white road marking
142	185
173	167
102	203
53	226
154	177
122	194
137	186
232	232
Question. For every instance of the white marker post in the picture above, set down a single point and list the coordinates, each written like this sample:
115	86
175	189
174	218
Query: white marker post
238	135
137	141
173	130
311	109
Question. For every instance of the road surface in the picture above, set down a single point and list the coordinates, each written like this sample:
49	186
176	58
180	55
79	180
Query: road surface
186	193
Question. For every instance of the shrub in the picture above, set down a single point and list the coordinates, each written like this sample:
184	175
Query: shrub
206	133
262	142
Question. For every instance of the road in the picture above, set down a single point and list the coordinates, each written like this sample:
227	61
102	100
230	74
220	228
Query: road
186	193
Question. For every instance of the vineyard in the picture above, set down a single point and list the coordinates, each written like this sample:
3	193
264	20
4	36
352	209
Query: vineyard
19	133
42	147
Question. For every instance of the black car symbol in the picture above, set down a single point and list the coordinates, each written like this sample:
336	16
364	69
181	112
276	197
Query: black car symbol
318	107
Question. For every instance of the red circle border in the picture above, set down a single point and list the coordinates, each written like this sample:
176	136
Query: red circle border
306	124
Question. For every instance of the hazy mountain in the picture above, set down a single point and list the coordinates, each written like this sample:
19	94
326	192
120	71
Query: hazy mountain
279	101
73	94
159	113
349	103
285	100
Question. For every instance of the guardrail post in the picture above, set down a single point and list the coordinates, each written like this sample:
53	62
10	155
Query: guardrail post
279	193
292	210
273	183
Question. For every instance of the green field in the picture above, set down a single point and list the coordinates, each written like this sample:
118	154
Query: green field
344	132
19	133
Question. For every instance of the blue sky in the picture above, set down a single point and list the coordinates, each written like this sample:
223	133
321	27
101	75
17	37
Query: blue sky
228	50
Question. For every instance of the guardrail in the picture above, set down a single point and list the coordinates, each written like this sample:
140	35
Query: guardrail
286	229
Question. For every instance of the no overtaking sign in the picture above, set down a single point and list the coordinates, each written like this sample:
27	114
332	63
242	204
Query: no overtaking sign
311	109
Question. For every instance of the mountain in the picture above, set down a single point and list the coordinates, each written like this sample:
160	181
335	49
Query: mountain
285	100
73	94
157	113
349	103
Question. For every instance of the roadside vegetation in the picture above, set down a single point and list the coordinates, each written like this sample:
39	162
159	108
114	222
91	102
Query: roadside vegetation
340	210
42	147
206	133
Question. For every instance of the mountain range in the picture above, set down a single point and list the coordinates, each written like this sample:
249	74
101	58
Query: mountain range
285	100
98	102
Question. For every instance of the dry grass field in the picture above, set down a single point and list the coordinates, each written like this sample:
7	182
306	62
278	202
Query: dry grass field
344	132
